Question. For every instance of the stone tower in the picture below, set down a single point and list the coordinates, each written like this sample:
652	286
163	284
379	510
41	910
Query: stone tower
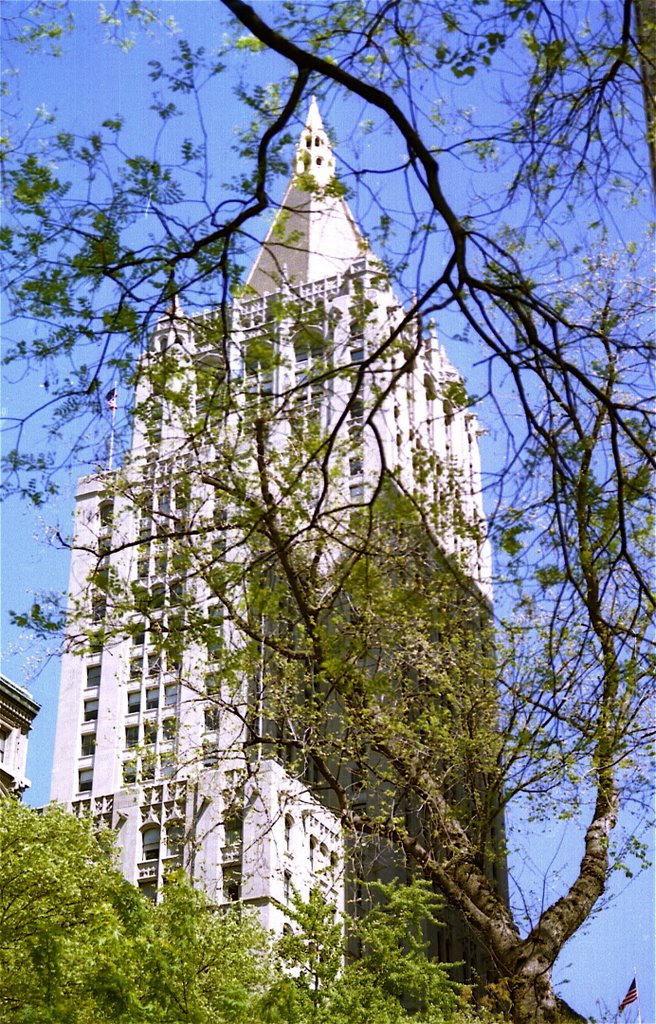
152	737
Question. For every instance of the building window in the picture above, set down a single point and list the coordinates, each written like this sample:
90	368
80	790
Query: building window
93	675
215	632
287	886
129	773
357	353
289	821
134	701
154	425
355	466
313	849
106	513
212	718
232	884
171	695
210	755
233	826
139	638
88	743
152	698
174	838
154	664
131	735
150	732
169	728
96	640
150	842
91	710
135	668
99	610
85	780
356	412
4	736
148	890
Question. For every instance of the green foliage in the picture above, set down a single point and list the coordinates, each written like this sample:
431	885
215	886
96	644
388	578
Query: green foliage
78	943
201	965
68	921
392	979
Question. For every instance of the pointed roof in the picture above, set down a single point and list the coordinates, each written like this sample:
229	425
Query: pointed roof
314	234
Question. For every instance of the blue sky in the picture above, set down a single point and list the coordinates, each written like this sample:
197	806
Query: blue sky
96	80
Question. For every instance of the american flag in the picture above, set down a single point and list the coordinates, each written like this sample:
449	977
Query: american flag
112	399
630	997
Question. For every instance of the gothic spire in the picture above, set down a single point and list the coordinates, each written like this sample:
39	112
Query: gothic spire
314	234
314	153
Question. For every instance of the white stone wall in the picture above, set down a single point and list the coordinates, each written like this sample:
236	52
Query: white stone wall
242	832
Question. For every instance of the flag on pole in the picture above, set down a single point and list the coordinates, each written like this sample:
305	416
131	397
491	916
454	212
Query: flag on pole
630	997
112	399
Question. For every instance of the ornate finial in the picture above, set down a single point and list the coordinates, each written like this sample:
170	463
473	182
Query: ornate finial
314	154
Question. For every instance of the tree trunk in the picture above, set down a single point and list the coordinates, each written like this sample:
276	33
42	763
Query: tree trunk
532	994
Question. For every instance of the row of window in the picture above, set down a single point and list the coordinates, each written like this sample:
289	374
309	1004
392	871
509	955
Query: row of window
132	736
149	700
314	846
151	841
149	732
147	768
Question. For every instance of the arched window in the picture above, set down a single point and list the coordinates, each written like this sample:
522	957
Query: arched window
308	345
289	821
106	512
150	838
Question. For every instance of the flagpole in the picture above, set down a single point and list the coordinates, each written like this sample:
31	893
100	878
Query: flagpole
635	975
113	404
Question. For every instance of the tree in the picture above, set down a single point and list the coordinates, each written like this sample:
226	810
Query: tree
80	943
561	325
68	920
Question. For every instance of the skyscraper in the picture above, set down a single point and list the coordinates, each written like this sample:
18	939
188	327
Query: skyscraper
260	430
